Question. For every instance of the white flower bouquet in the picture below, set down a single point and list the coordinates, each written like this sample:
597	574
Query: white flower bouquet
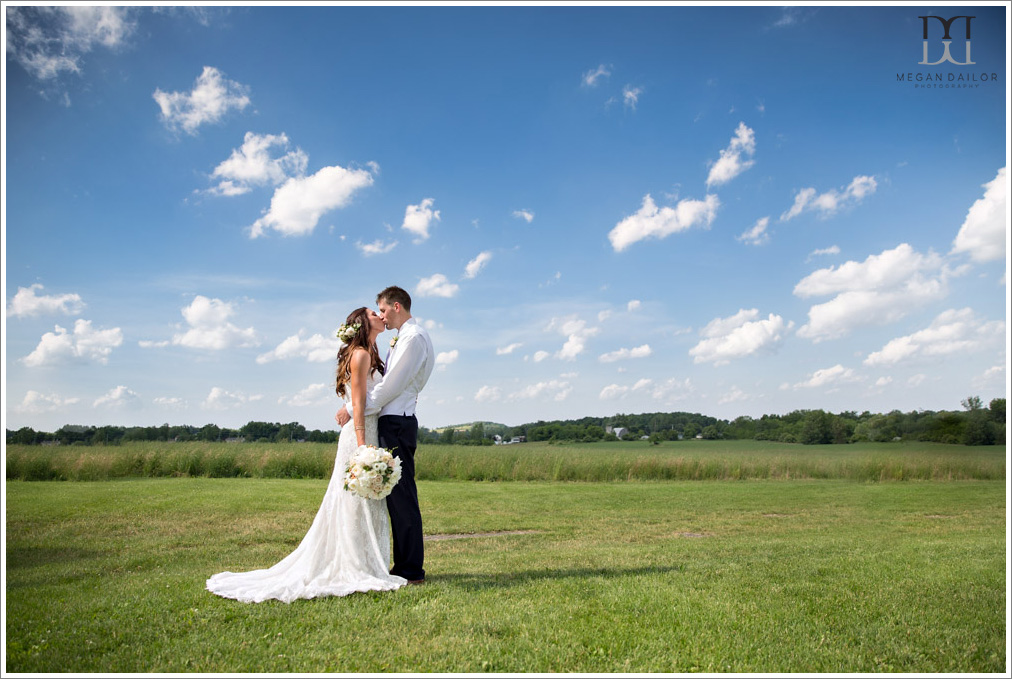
372	472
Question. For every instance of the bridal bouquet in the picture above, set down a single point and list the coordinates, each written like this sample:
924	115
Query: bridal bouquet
372	472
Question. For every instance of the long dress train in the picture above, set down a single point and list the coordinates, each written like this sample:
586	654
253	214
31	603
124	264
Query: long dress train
346	550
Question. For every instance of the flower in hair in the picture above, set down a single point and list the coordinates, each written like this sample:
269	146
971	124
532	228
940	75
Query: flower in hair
346	332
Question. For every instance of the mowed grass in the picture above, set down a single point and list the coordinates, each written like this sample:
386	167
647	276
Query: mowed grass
618	461
751	576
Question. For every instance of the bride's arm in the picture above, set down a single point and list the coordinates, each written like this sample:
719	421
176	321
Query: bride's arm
360	365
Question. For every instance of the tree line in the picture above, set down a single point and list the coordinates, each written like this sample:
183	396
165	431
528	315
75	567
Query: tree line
72	434
974	425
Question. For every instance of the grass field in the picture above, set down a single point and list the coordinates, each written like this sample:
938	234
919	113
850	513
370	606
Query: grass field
675	576
635	461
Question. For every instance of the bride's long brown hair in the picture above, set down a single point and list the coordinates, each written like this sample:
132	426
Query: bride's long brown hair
361	339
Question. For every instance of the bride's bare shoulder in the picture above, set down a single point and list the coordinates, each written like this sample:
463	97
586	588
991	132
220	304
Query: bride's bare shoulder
360	359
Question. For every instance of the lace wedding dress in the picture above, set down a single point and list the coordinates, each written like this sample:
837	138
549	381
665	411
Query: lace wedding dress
346	550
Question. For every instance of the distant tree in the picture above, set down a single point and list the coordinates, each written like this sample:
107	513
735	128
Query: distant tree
260	431
979	430
997	409
817	428
972	403
24	436
448	436
209	432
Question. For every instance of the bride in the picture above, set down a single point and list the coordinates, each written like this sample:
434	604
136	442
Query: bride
347	549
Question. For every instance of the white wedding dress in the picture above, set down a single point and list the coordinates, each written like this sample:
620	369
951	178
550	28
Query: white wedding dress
346	550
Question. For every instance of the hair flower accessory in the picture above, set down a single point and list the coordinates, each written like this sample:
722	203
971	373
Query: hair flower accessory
346	332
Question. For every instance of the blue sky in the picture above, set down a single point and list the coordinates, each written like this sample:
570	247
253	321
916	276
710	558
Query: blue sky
731	210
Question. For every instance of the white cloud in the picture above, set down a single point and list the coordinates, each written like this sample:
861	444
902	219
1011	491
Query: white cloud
557	390
732	396
732	160
953	331
253	165
591	77
617	391
220	399
476	264
48	41
418	219
830	202
622	354
669	391
169	402
36	402
118	398
831	250
551	281
540	356
828	377
509	349
26	303
445	358
525	215
882	289
633	305
576	332
603	315
739	336
982	234
487	394
722	326
82	345
210	327
990	378
757	235
300	202
377	247
211	98
653	222
436	285
314	395
631	96
613	391
315	349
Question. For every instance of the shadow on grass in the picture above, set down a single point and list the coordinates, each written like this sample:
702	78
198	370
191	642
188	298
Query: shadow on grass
477	581
27	557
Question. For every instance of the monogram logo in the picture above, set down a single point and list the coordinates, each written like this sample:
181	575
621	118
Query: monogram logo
946	40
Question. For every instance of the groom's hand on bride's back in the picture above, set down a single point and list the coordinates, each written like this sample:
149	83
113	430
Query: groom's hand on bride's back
342	416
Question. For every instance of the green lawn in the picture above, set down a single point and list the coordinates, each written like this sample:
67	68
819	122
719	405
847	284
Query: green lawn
748	576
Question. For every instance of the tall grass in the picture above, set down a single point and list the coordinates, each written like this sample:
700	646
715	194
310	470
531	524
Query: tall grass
634	461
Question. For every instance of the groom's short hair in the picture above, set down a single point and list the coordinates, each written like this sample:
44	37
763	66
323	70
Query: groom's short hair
395	294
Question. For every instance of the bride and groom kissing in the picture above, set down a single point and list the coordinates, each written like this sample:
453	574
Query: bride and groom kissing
347	548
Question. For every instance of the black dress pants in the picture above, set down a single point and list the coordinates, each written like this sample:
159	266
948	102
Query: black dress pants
399	434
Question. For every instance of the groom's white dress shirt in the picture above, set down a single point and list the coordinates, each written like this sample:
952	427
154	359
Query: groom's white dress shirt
409	365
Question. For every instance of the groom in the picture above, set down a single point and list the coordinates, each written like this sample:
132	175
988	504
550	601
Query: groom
408	366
